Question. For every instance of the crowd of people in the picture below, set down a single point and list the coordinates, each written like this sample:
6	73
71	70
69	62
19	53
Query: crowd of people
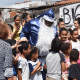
36	50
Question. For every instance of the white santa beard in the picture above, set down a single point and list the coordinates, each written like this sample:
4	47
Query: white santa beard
45	37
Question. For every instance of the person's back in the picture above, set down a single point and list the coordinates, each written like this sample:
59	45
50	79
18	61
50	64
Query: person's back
6	65
55	61
74	71
5	53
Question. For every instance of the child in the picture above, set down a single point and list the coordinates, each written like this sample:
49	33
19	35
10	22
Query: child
75	42
74	71
63	34
55	61
30	17
23	68
61	23
35	65
65	48
69	34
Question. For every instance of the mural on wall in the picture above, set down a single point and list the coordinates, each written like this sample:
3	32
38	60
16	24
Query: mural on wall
69	13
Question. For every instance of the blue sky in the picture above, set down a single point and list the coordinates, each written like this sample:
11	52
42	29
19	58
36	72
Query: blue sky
11	2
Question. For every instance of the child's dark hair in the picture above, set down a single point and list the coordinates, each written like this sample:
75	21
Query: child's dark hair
11	27
32	15
72	31
33	50
24	15
78	19
55	45
60	20
74	55
16	17
63	29
24	45
69	30
65	47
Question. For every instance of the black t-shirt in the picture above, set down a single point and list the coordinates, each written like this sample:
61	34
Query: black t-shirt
12	42
74	72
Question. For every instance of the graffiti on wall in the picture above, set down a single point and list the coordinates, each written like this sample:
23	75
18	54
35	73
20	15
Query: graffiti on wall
69	13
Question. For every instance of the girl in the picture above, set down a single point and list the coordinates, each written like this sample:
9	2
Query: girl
35	66
69	34
61	24
65	48
63	34
30	17
77	25
75	42
16	27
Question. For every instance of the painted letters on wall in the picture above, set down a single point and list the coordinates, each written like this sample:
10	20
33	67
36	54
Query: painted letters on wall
69	13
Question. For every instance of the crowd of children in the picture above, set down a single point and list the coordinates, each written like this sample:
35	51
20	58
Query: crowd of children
62	61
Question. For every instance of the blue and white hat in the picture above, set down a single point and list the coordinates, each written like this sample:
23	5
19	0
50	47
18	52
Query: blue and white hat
48	15
50	19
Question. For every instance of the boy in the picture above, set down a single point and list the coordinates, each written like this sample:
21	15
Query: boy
23	68
35	65
55	61
74	71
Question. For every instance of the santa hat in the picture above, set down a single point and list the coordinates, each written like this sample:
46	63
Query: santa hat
48	18
48	15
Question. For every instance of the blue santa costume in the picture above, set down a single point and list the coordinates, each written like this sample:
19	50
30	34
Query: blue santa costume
37	33
32	28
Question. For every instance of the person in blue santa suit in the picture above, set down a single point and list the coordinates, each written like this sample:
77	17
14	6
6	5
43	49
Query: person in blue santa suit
40	32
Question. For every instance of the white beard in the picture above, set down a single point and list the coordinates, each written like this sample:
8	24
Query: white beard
45	37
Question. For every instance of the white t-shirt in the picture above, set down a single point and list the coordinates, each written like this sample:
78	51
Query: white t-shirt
36	75
23	64
76	45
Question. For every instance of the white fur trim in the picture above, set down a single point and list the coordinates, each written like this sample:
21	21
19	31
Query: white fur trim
45	37
48	18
